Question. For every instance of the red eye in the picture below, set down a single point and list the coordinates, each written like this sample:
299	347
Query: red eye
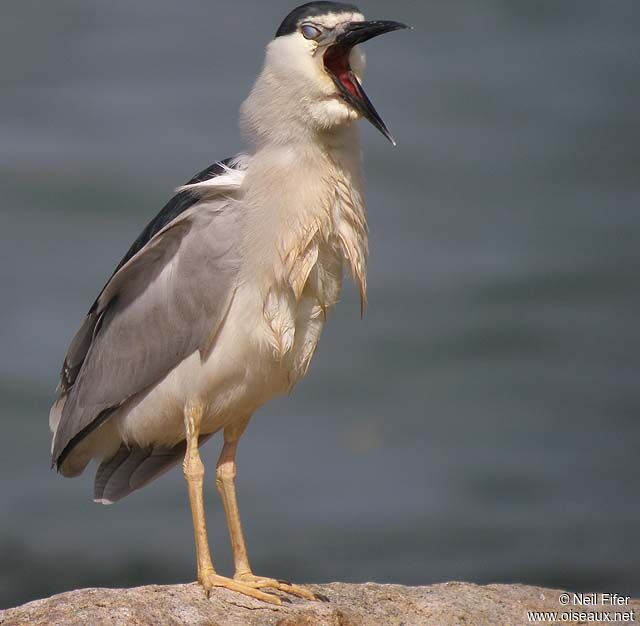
309	32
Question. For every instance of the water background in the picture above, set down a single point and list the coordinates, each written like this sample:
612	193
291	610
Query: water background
480	424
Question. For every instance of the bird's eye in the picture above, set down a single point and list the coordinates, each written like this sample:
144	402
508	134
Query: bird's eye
310	32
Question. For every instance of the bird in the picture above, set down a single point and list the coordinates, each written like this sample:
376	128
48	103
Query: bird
218	305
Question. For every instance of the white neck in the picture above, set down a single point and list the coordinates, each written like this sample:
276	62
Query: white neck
311	173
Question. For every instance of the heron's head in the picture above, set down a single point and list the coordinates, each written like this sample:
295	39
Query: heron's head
312	75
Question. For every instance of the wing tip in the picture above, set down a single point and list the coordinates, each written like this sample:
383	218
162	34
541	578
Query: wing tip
104	501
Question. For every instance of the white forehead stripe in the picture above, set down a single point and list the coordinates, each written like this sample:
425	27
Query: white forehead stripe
333	19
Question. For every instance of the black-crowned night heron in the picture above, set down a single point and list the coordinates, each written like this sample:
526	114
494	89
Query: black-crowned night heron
218	305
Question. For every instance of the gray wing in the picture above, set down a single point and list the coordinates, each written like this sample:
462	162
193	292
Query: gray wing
132	468
162	304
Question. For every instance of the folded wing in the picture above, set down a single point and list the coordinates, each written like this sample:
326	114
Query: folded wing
165	300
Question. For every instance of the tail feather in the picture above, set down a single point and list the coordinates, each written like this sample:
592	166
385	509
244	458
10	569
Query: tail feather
132	468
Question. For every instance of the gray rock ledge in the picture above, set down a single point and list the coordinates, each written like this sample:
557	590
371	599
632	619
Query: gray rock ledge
369	604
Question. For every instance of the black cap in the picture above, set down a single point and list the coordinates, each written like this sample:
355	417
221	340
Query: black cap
312	9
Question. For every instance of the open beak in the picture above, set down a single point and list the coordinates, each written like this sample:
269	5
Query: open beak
336	62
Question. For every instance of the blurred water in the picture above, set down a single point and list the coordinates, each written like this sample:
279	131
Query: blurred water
480	424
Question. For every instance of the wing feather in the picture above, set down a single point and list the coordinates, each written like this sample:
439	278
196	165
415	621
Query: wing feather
132	468
164	301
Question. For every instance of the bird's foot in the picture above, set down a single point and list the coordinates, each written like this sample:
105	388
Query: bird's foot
260	582
209	579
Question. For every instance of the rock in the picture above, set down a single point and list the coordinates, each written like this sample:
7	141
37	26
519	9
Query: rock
448	604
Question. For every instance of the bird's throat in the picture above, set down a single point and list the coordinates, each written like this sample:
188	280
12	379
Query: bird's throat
336	62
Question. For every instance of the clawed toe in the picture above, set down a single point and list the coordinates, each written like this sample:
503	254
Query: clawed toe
252	586
260	582
209	580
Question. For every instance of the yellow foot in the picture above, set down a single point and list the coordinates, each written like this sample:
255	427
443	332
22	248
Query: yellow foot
259	582
209	579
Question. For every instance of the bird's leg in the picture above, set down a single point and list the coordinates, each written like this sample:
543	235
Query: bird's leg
225	482
194	474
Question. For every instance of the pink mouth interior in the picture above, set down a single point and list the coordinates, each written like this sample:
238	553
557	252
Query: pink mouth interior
336	61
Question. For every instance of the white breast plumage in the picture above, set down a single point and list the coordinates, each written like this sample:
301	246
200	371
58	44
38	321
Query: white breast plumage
313	256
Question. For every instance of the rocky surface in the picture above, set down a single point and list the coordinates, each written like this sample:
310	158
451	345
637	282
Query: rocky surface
448	604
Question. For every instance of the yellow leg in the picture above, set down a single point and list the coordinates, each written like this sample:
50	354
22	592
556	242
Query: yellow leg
225	482
194	474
